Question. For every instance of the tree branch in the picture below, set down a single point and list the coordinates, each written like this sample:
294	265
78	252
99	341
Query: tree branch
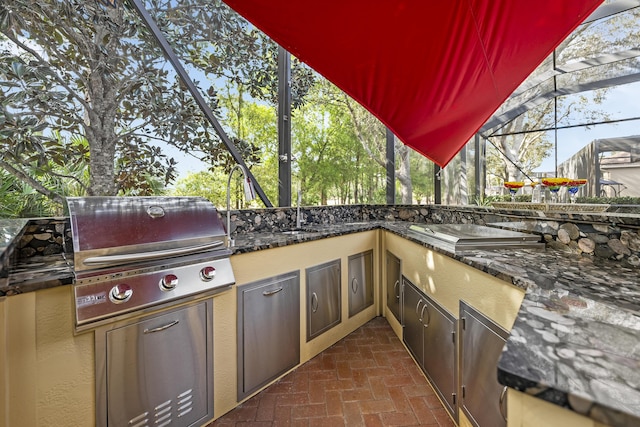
359	134
32	182
80	40
71	177
42	61
52	113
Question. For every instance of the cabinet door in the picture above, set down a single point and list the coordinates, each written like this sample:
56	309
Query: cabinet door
268	330
323	298
413	306
481	343
360	282
160	369
440	353
393	284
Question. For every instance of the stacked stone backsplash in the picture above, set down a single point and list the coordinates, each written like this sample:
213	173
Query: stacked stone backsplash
45	236
607	241
611	236
614	236
601	240
281	219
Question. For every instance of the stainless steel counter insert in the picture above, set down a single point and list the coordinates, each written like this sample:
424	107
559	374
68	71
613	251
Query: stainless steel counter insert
460	237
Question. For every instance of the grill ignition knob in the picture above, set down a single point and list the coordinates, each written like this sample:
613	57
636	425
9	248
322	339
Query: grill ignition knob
120	293
208	273
169	282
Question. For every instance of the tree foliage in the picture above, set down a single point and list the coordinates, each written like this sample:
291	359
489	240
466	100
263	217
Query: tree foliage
84	69
368	146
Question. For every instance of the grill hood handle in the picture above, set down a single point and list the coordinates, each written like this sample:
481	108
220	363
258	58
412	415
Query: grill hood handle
146	256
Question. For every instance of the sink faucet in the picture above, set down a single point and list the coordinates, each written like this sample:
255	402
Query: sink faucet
249	195
298	219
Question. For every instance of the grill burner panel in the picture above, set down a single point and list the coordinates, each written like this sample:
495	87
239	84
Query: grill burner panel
97	300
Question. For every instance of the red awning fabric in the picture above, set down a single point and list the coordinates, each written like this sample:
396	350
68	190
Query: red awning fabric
432	71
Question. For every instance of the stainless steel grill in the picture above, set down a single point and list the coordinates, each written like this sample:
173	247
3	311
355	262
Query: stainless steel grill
132	253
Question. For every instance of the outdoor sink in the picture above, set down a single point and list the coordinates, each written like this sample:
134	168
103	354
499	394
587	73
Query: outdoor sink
460	237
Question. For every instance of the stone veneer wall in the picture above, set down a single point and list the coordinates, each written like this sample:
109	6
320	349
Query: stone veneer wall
45	236
613	236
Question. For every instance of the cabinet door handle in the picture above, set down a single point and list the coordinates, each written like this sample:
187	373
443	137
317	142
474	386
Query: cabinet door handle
314	302
419	314
354	285
503	400
161	328
424	307
395	289
269	293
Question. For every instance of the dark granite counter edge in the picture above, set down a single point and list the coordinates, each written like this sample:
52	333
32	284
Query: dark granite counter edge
41	272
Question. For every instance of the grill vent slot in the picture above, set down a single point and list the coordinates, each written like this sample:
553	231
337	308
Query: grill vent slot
185	402
163	414
140	421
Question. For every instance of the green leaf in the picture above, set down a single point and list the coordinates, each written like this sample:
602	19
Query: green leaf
18	69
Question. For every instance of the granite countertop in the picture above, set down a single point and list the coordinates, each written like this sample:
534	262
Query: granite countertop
10	229
576	339
39	272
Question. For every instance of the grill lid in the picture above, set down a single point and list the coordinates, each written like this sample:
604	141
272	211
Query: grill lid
108	231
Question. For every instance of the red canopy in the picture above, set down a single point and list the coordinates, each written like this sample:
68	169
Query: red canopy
432	71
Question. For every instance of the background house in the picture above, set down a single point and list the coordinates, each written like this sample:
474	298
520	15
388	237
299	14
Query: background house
611	165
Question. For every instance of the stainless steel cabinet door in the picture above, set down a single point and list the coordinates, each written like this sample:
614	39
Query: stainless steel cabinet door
413	307
268	330
360	282
159	370
482	341
324	309
440	353
393	284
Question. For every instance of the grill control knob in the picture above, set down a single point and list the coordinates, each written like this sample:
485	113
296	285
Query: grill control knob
208	273
168	282
120	293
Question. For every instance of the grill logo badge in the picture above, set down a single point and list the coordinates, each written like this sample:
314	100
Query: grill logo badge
92	299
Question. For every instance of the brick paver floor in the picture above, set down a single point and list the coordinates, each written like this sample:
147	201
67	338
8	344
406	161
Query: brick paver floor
366	379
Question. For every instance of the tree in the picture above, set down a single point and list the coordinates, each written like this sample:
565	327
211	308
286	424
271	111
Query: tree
526	150
256	125
371	135
210	185
82	68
